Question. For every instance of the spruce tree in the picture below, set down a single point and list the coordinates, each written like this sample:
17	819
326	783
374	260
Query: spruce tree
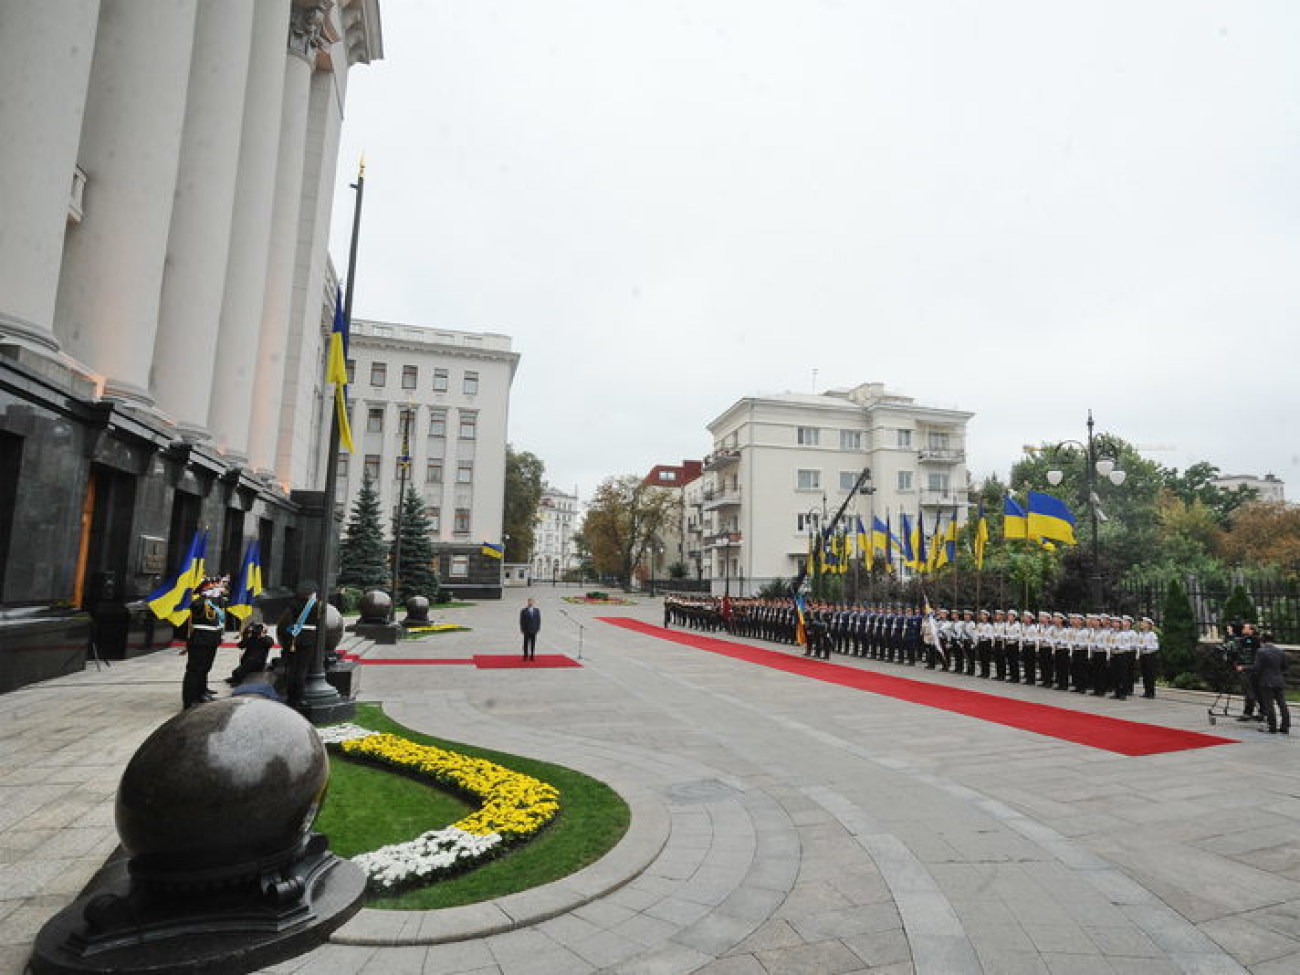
363	553
415	575
1178	633
1238	607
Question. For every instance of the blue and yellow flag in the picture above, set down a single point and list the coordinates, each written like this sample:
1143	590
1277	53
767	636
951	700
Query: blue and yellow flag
171	601
1014	522
336	372
860	536
249	582
494	551
908	550
918	544
981	538
801	623
1050	518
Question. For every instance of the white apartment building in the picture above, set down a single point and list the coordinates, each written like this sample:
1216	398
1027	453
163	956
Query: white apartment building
1270	487
446	395
553	550
784	461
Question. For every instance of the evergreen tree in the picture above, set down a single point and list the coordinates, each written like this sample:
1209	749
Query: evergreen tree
415	575
1238	607
363	553
1178	633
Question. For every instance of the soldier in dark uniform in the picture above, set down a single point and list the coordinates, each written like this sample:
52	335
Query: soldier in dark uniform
296	630
207	627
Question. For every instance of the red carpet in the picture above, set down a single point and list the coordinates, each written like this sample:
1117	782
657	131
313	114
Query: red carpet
1096	731
483	661
506	661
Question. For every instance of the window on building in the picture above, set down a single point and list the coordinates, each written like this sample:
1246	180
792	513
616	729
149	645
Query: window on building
806	521
806	480
341	468
459	568
461	525
438	423
847	480
434	514
850	440
441	378
372	466
375	420
937	482
471	383
352	371
465	472
937	441
904	438
433	472
904	480
379	374
668	477
410	377
808	436
468	425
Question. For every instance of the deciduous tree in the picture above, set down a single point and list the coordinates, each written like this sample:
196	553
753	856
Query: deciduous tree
524	472
624	517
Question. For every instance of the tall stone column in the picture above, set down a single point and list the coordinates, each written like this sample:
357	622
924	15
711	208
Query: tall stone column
307	33
43	77
107	310
232	392
199	241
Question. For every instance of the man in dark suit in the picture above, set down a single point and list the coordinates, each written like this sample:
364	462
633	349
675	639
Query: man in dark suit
1269	671
530	621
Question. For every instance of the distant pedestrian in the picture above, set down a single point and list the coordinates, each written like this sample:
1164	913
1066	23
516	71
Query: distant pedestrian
530	622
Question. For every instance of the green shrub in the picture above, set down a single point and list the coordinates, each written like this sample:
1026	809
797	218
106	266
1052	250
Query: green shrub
1178	635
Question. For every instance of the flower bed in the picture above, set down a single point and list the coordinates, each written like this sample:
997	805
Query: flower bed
514	807
436	628
599	600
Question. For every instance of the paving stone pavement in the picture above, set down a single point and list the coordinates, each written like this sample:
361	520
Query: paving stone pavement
779	824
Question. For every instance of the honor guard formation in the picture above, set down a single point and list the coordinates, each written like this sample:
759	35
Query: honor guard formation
1084	653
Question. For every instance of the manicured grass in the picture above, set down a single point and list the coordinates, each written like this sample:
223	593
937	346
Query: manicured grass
592	819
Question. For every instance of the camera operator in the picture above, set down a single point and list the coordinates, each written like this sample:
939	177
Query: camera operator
1241	646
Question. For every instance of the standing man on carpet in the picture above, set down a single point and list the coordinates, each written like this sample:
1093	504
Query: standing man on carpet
530	622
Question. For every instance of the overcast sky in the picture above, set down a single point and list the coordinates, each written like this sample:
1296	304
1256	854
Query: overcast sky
1024	210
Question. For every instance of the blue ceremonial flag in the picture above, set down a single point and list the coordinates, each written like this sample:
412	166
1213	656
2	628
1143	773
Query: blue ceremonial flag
1049	517
171	601
1014	522
249	582
336	372
922	560
905	527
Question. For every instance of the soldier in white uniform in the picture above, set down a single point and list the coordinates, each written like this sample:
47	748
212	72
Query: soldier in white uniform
984	642
1099	632
1011	646
1123	645
1148	649
1029	636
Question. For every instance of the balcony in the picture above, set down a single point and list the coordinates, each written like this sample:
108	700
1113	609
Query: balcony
941	455
722	540
943	499
721	499
721	458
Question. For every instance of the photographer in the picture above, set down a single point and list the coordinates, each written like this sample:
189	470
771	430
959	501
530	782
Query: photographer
1240	647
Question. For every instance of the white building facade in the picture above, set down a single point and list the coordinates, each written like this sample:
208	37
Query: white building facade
448	392
783	464
554	552
1270	487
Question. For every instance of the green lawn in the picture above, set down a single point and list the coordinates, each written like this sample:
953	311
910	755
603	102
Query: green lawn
368	807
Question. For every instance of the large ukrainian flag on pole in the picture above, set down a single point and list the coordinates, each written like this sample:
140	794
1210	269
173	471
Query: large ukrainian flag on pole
336	372
171	601
1014	523
1049	517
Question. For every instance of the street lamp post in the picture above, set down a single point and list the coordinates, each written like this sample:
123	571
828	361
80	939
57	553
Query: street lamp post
1094	465
403	472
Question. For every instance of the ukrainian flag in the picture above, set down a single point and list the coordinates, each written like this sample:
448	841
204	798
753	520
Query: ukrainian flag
171	601
249	582
981	538
860	537
905	527
494	551
1014	521
336	372
1050	518
801	624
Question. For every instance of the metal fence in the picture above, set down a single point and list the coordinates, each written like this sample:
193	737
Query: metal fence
1276	604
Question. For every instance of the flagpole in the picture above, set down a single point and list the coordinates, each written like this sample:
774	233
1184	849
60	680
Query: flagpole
322	701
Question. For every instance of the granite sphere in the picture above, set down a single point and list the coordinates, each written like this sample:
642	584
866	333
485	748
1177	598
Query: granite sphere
222	783
417	609
376	606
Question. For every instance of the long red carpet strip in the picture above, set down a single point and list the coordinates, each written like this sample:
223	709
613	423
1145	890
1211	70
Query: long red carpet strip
1097	731
483	661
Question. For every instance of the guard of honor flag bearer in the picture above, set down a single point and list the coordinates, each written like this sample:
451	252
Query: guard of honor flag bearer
1098	653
